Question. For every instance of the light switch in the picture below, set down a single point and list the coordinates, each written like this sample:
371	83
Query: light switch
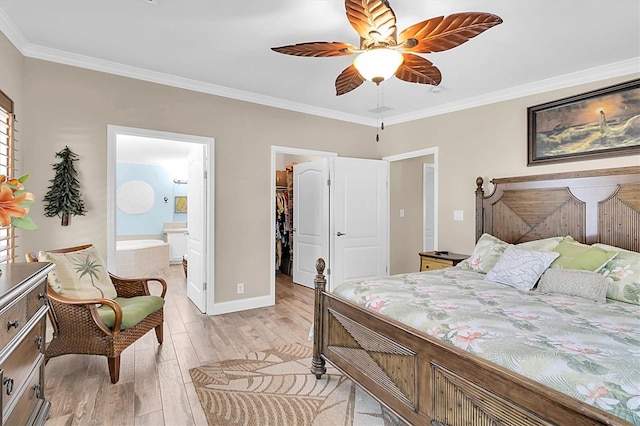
458	215
401	212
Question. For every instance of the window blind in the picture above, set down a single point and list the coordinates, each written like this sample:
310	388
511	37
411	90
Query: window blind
7	168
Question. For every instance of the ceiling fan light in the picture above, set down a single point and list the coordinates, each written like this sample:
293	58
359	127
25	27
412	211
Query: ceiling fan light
378	64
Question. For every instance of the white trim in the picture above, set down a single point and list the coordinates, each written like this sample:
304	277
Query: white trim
275	150
590	75
112	133
240	305
412	154
426	166
420	153
115	68
12	32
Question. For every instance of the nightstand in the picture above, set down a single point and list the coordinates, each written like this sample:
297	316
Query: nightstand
430	260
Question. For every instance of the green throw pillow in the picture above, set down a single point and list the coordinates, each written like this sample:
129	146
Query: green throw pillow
574	255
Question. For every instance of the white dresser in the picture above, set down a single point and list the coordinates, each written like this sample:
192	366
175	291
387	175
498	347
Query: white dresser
23	310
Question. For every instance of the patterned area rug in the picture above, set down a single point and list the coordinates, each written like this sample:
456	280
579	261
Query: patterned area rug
275	387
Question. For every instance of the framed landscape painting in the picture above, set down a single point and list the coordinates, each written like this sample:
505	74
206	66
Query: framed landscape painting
597	124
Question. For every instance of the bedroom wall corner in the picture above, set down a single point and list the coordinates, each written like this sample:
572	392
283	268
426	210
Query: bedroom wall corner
488	141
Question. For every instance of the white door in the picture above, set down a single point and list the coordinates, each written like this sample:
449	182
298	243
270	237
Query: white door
310	219
360	221
429	205
196	223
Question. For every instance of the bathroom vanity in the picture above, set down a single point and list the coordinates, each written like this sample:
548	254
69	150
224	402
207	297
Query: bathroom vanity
177	235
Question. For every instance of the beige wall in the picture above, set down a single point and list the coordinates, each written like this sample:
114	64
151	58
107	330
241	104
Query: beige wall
62	105
72	106
488	141
405	183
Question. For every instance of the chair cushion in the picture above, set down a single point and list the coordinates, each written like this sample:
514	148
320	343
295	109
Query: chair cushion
134	310
80	274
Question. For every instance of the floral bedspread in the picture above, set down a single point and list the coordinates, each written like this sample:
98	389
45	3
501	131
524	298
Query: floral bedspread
587	350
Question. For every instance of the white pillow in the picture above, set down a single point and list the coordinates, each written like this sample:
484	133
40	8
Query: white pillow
521	268
80	274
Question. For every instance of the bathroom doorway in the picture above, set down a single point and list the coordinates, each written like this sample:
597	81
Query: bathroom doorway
167	157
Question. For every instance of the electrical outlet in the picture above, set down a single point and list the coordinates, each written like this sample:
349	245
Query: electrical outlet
401	212
458	215
240	288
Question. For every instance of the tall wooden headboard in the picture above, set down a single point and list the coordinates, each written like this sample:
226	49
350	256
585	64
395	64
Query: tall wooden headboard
591	206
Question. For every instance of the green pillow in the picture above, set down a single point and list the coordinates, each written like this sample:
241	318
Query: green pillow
574	255
134	310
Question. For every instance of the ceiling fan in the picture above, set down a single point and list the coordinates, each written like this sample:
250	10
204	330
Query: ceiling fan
383	53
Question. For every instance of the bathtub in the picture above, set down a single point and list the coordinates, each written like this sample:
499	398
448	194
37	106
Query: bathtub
141	258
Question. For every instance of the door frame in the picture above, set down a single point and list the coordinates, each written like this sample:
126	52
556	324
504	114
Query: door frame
209	238
421	153
425	203
275	150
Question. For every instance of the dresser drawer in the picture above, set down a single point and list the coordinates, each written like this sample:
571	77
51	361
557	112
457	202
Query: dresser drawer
25	409
12	319
429	264
23	311
36	299
19	364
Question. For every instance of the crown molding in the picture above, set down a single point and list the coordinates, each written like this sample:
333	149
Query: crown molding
81	61
11	31
618	69
591	75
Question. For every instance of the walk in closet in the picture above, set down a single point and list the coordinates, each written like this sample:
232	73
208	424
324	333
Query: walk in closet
284	220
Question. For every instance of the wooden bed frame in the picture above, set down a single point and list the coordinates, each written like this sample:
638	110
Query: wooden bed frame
427	381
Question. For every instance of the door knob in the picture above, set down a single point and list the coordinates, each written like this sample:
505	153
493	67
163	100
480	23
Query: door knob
340	234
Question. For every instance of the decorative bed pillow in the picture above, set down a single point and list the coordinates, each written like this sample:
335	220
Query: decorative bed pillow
623	275
79	274
520	268
585	284
485	254
574	255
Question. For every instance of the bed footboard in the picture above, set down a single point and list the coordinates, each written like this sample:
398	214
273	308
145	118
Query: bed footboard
428	382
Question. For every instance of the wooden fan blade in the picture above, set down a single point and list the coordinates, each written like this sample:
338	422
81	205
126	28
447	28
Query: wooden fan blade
373	20
348	80
416	69
317	49
439	34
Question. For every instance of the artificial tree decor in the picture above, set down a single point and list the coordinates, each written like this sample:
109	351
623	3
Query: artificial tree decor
64	198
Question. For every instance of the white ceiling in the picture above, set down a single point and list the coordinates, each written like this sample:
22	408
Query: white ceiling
223	47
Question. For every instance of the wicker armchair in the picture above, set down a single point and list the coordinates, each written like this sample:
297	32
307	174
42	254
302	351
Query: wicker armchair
77	328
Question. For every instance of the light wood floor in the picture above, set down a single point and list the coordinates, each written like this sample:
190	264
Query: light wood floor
155	386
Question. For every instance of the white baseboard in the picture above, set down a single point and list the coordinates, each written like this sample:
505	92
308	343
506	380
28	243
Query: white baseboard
241	305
